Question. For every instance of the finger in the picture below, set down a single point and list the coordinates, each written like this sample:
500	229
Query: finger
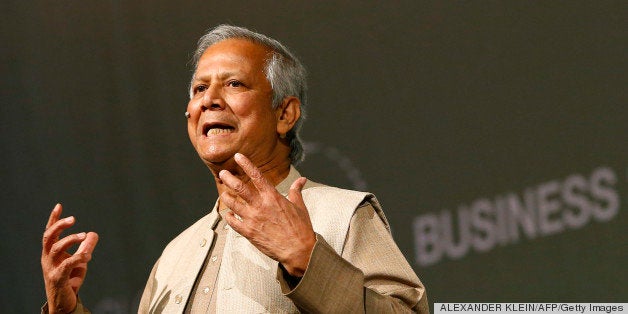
69	264
235	223
65	243
77	275
253	172
234	203
80	270
54	215
295	194
89	244
239	187
51	235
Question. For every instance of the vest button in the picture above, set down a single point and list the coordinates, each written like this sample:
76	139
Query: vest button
178	299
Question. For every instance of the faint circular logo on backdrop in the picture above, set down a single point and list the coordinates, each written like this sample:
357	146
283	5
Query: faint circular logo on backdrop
329	165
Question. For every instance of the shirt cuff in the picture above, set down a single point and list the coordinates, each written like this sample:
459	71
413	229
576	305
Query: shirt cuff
80	309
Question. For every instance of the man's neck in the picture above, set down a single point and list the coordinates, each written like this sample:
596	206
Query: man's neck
274	172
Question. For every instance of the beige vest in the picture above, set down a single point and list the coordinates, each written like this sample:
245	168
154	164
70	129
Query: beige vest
247	278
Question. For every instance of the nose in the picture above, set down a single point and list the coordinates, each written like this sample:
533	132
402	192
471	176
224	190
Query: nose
212	99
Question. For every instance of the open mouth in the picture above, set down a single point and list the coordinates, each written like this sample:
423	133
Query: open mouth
217	128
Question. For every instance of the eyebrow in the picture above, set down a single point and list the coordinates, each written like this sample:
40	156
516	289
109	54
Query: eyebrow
207	77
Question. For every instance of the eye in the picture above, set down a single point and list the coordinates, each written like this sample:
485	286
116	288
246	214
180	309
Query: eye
235	83
199	89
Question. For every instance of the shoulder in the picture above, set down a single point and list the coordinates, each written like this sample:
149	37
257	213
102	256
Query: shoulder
324	197
331	193
319	197
332	209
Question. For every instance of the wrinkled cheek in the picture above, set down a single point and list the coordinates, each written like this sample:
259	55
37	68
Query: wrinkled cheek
192	133
190	107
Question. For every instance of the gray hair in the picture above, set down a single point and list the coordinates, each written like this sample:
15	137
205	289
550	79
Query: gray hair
286	74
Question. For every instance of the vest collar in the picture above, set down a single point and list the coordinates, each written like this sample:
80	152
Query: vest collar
284	186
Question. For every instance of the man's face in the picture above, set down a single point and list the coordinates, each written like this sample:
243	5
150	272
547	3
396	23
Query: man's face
230	109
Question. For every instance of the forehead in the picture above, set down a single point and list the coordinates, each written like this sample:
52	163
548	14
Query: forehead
235	52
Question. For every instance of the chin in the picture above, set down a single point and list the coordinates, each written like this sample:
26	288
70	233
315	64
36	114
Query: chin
216	158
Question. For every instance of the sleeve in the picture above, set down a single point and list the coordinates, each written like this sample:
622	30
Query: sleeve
148	293
372	275
80	309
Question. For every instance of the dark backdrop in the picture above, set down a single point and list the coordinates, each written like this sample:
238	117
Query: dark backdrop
437	107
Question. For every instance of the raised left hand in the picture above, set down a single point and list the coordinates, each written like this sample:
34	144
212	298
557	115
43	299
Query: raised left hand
279	227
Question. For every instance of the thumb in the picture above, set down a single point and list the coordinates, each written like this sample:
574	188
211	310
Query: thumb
294	195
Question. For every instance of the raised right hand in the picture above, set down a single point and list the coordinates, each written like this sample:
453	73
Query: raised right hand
64	273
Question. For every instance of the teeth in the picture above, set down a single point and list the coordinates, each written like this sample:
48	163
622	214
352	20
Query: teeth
215	131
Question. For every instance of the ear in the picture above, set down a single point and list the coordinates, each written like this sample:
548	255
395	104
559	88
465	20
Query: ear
288	113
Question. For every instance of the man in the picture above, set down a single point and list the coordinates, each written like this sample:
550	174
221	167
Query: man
273	242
